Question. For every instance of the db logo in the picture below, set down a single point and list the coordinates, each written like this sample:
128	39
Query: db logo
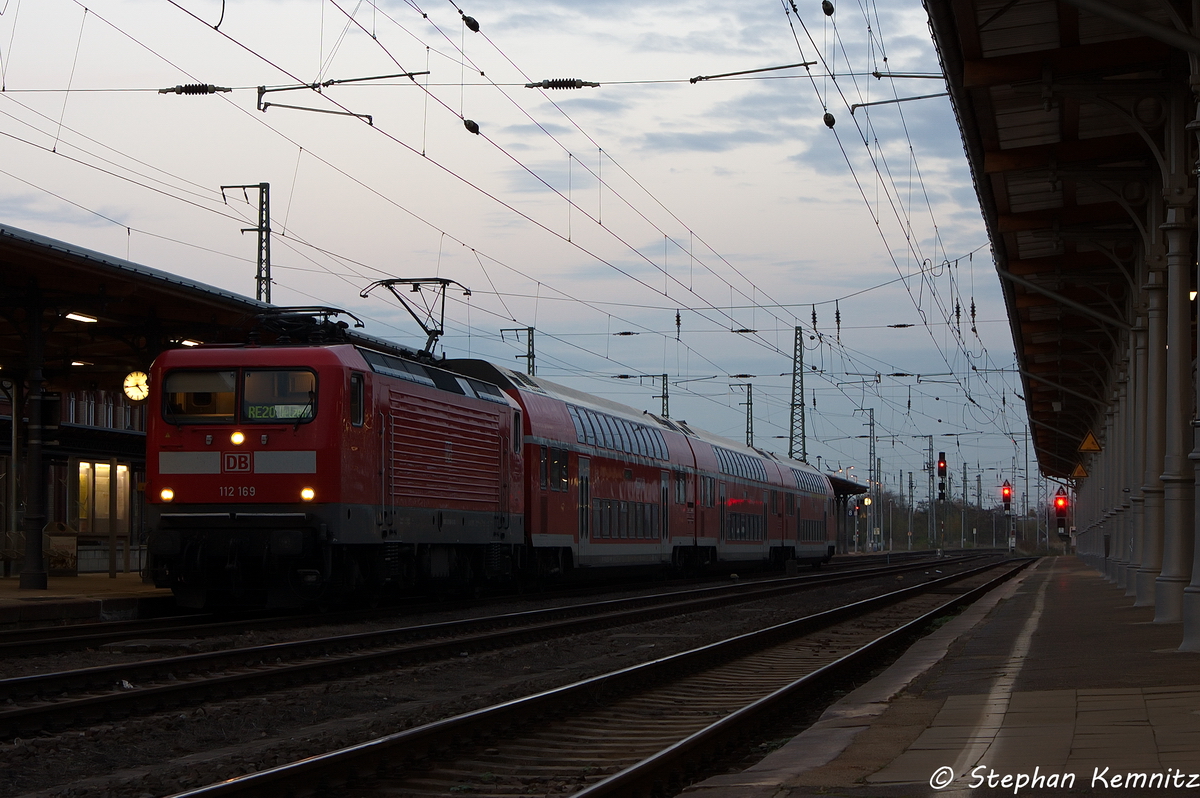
235	462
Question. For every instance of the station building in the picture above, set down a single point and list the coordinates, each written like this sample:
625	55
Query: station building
78	332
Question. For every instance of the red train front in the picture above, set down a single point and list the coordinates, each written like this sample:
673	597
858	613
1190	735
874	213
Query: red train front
292	475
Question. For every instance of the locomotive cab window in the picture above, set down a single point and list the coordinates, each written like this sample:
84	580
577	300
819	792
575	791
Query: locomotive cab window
356	400
199	397
271	396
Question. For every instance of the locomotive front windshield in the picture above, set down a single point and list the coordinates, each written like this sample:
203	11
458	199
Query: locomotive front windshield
210	397
279	396
200	397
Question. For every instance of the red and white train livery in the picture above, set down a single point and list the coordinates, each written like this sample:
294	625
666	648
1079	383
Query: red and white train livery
294	474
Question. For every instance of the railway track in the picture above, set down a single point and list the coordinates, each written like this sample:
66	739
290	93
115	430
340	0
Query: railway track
637	731
47	640
67	699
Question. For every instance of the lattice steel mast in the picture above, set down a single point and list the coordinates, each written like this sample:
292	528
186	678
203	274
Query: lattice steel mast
796	429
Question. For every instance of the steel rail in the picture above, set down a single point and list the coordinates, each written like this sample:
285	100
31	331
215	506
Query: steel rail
41	640
649	776
349	654
325	773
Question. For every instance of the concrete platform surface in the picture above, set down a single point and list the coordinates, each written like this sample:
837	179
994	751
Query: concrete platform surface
79	599
1052	684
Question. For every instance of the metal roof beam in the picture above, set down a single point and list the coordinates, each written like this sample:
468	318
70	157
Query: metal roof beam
1065	389
1162	33
1121	148
1081	59
1062	300
1091	215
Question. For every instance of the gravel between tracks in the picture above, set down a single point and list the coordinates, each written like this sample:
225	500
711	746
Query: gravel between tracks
162	754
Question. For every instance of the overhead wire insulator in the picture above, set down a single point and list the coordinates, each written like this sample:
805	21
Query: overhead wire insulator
194	88
827	7
471	125
471	23
828	120
561	83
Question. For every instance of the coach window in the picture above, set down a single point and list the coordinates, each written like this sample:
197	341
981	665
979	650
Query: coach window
516	435
614	430
610	433
680	487
542	469
558	470
356	400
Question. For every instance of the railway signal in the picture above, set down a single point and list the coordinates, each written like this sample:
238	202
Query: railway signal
1061	505
1006	494
941	468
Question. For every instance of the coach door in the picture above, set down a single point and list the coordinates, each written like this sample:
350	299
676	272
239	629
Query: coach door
584	508
721	531
664	508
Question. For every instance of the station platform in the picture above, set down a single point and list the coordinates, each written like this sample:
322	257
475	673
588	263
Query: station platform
1054	680
81	599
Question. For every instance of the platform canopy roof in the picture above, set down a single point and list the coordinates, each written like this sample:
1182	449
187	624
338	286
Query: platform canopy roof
845	487
1063	108
138	312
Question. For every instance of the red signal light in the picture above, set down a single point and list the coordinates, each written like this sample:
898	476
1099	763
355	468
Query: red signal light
1060	502
1006	491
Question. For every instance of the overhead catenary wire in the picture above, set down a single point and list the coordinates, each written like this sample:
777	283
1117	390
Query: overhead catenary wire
889	194
525	167
758	304
574	124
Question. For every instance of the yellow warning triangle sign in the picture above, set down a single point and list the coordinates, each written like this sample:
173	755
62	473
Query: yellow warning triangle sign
1090	443
1079	472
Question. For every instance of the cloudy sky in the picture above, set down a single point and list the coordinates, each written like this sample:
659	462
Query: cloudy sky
582	213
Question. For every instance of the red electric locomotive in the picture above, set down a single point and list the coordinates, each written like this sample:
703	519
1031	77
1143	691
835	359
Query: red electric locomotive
285	475
290	475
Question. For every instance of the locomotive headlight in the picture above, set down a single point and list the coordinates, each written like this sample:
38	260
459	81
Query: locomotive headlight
307	494
166	494
237	438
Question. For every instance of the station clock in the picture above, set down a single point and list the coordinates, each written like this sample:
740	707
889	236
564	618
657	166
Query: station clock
137	385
